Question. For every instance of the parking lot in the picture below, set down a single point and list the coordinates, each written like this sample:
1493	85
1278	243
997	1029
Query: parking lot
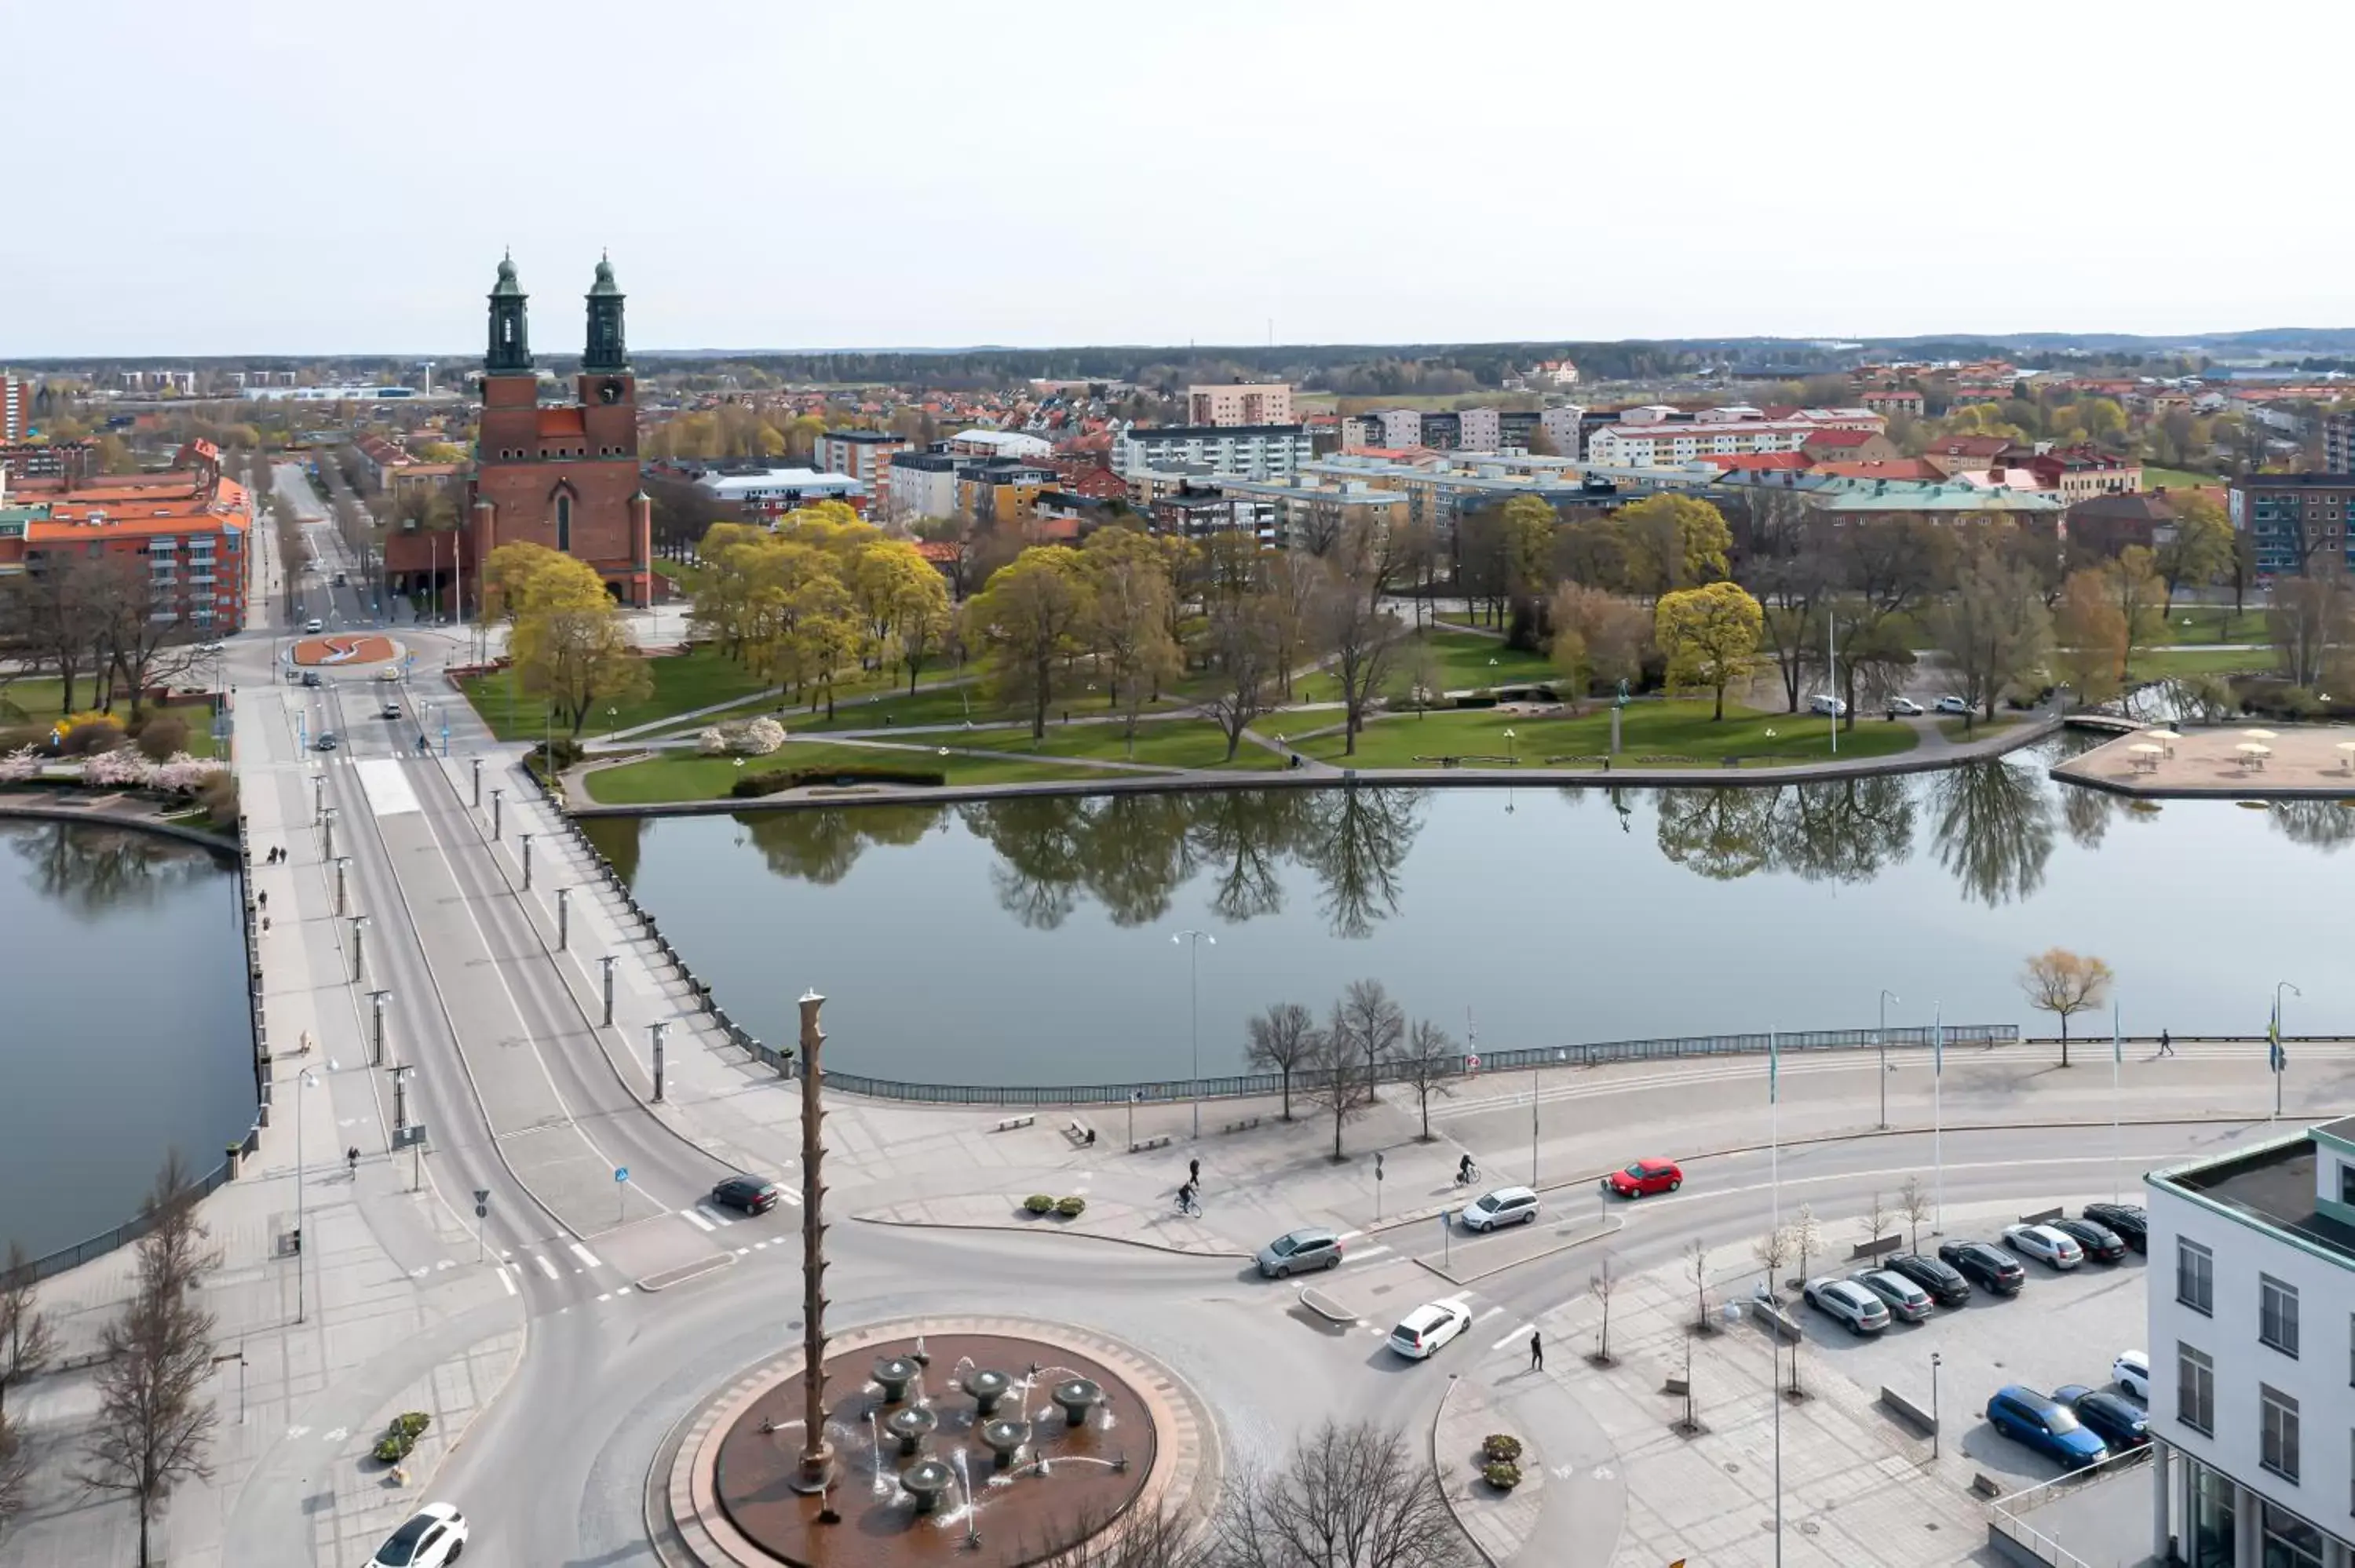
2062	1328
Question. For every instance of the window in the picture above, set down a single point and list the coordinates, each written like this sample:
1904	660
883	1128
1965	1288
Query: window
2277	1451
2277	1315
2195	1390
2195	1276
2346	1184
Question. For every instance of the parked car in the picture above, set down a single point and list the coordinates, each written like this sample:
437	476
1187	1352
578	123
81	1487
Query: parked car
326	741
2046	1245
1906	708
1953	705
1849	1304
1945	1283
1826	706
1505	1206
2045	1425
2132	1373
433	1536
1428	1327
1297	1252
208	648
2118	1421
1646	1176
315	624
2128	1220
2097	1242
750	1194
1903	1297
1986	1266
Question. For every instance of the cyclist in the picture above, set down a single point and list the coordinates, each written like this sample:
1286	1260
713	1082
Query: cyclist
1466	1172
1186	1200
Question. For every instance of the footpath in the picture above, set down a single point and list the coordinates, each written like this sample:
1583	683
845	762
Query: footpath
318	1349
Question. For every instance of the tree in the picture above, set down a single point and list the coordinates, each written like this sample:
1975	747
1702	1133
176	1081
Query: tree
2133	583
1429	1059
1242	648
1792	571
1807	1238
1346	1497
1993	628
824	636
566	642
1283	1040
15	1471
1711	636
27	1342
1132	601
2064	984
1876	1219
1599	638
1916	1203
1361	635
2200	552
1031	615
2091	634
1600	1283
1697	1270
920	620
1373	1025
1772	1250
2306	617
1417	674
1527	525
1155	1535
1673	542
1338	1080
154	1426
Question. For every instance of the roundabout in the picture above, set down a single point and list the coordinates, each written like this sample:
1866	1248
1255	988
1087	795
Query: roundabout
339	648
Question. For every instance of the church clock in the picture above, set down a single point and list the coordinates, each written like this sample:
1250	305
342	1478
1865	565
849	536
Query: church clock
609	391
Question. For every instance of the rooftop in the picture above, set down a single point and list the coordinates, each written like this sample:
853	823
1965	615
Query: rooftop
1211	433
2272	1184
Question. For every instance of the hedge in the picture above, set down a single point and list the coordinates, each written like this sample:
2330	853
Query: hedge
779	779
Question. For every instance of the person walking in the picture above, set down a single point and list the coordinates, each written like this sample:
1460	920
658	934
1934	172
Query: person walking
1537	1350
2166	1044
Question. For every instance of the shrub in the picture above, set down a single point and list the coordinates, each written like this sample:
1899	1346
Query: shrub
1503	1475
84	734
18	766
1071	1207
754	785
163	734
412	1424
18	738
393	1447
1038	1202
218	797
121	768
756	737
1499	1446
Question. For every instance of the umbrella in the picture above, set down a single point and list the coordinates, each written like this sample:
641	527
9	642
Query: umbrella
2254	749
2260	735
2161	735
2148	750
2347	746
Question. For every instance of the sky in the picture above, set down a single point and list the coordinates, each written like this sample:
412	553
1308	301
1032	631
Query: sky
251	177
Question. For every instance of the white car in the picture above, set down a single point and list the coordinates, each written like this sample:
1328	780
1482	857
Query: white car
1852	1303
2042	1243
2132	1370
1906	708
1428	1327
1953	705
433	1536
315	624
1828	705
1505	1206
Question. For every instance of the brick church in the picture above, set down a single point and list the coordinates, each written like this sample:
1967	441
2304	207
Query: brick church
564	475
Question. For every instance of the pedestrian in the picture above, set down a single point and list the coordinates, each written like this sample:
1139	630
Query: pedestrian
2166	1044
262	899
1193	1173
1537	1350
265	925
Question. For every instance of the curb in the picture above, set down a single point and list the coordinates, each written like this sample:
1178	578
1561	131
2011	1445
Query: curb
1075	1235
1439	1481
213	842
1465	1281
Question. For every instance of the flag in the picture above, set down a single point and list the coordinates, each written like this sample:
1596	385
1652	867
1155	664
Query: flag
1774	1068
2278	1056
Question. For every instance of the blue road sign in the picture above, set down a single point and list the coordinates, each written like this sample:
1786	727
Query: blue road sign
620	1172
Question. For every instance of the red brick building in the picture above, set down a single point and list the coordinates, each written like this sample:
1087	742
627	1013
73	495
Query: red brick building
561	475
182	532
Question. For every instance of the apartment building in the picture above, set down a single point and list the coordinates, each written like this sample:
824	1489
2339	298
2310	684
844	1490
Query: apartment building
998	444
72	462
1401	427
1199	514
1258	452
2338	442
922	485
187	526
2297	523
2081	473
865	455
1241	403
2251	1343
1887	400
16	407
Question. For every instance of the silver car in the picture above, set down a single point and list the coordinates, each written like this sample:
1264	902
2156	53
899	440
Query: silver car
1858	1310
1297	1252
1903	1297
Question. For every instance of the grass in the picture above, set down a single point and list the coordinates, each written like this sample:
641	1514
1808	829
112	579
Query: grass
2160	663
1160	743
660	780
682	682
2204	623
1465	666
942	704
1677	729
2175	478
34	701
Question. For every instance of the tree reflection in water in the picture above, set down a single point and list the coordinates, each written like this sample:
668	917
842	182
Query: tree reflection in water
2316	824
89	868
1994	829
821	845
1839	830
1356	842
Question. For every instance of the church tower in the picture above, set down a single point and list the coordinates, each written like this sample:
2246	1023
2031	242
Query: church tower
605	350
510	349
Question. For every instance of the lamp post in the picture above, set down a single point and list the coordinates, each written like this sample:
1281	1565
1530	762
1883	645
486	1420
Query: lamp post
1558	1057
1194	940
343	867
378	999
1936	1360
1512	746
400	1077
327	828
1880	1043
527	860
360	927
478	783
319	796
658	1031
497	796
563	918
305	1079
606	964
2280	1059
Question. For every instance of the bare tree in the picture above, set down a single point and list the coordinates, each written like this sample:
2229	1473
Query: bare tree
154	1427
1601	1283
1361	636
25	1340
1876	1219
1429	1059
1807	1238
1914	1201
1243	646
15	1471
1148	1536
1339	1079
1346	1497
1373	1024
1697	1266
1772	1250
1283	1040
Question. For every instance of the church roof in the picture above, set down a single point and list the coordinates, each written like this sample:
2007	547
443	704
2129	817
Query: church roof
604	283
507	287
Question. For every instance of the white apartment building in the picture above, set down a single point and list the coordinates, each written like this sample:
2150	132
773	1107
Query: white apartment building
1658	436
999	444
1481	431
16	407
1249	451
865	455
920	485
1400	427
2252	1308
1562	424
1240	403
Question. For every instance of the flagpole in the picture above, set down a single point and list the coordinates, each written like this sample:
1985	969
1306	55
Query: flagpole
2117	1049
1774	1181
1938	1113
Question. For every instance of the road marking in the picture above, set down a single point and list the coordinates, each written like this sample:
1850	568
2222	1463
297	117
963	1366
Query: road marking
743	1252
1351	1236
588	1258
298	1432
791	1197
445	1262
545	1267
1512	1337
1489	1314
337	1436
508	1280
714	1215
1364	1252
607	1296
624	1290
697	1221
760	1246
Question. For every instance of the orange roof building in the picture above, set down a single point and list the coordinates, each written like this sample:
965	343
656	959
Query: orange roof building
185	532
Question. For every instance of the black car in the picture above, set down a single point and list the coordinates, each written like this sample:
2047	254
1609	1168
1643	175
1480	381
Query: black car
1986	1265
749	1194
1946	1287
2114	1418
2100	1242
311	678
2129	1221
326	742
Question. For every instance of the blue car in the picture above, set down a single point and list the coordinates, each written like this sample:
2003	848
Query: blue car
2045	1425
2117	1420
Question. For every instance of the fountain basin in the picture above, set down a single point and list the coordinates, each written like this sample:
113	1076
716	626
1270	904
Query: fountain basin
925	1482
893	1374
910	1425
1077	1396
988	1388
1004	1439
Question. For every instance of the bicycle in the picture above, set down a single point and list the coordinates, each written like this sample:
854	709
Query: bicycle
1191	1205
1467	1175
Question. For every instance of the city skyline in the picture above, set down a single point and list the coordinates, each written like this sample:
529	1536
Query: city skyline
797	179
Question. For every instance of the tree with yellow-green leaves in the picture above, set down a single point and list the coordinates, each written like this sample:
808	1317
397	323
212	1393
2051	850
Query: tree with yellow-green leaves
1672	542
1130	597
1032	616
1711	636
898	593
566	642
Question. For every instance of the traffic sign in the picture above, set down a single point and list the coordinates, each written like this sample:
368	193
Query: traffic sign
620	1172
1378	1167
1472	1063
482	1211
482	1196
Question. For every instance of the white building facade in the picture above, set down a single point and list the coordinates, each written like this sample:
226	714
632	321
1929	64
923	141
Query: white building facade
1250	451
2252	1310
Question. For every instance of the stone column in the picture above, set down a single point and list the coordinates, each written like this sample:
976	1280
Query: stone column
2161	1519
815	1472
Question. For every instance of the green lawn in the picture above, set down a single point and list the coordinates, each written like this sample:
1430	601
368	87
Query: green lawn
1163	743
1467	662
943	704
690	777
2160	663
1678	728
682	682
2175	478
36	701
2216	623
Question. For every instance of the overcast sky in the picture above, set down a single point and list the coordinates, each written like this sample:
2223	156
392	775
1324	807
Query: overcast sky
245	177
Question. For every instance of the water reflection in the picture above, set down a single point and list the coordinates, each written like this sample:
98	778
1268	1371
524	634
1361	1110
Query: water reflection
87	869
1994	829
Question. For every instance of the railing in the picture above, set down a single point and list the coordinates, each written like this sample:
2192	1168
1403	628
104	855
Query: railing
130	1231
2005	1513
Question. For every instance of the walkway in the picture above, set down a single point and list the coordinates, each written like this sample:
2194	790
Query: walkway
2248	761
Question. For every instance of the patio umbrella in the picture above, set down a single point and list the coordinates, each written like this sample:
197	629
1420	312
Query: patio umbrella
2148	749
2254	749
2161	735
2260	735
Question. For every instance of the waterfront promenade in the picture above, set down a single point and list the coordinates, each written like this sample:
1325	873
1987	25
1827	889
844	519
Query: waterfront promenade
2250	760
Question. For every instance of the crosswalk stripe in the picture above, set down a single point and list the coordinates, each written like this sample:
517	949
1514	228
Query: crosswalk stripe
545	1267
697	1221
588	1259
1512	1337
790	1196
508	1279
1364	1252
1489	1314
714	1215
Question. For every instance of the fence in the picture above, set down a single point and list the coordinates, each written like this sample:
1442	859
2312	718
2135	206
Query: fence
2020	1541
130	1231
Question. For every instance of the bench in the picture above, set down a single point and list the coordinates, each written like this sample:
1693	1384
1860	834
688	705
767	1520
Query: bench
1678	1387
1082	1135
1245	1125
1985	1485
1907	1411
1010	1123
1324	1305
2042	1216
1157	1141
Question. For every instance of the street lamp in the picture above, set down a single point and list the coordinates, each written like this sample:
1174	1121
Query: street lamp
1194	940
526	861
1512	751
359	926
658	1031
478	783
305	1079
327	827
563	918
1936	1360
606	964
378	998
2280	1059
498	797
1558	1057
342	866
1880	1043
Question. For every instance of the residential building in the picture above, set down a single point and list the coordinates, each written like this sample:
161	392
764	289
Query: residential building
1480	431
1959	454
2338	442
1360	432
72	462
2105	524
16	407
1241	403
2079	473
1400	427
1310	513
1949	501
1658	437
1845	444
1199	513
186	525
1001	493
1915	469
2251	1336
378	458
2297	523
1443	430
1555	372
770	492
1257	451
1888	400
998	443
1565	426
865	455
922	485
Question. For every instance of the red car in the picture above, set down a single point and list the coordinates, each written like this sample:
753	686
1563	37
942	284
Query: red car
1645	1177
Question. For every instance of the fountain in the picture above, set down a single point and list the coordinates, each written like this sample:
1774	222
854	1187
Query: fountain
894	1373
988	1388
925	1482
1004	1439
912	1425
1077	1395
